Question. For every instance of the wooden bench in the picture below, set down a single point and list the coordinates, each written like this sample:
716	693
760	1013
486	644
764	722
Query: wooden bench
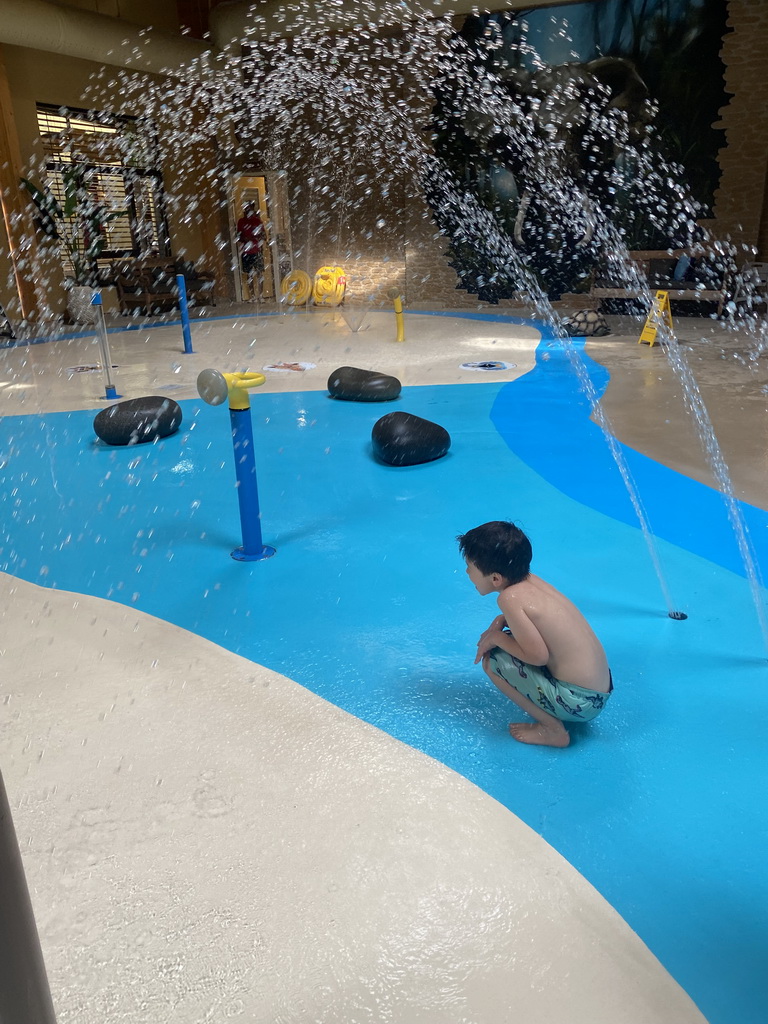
150	285
684	291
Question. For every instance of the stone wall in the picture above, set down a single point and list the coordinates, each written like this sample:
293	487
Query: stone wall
740	198
422	277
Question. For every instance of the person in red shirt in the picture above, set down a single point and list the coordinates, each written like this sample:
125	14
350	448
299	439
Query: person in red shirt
250	239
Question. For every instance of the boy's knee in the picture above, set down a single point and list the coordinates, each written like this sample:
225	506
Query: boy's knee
488	666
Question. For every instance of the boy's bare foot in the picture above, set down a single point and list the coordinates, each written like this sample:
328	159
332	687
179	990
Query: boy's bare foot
534	732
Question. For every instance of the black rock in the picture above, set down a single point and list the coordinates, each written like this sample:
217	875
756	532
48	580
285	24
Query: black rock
401	439
354	385
138	420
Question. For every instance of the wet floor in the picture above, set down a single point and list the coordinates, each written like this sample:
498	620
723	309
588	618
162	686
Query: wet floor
646	403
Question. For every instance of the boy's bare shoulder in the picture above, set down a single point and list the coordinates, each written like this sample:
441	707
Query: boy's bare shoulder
532	593
521	594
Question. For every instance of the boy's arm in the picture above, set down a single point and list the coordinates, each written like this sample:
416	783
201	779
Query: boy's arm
498	624
525	641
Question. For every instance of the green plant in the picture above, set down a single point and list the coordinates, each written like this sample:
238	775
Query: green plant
77	223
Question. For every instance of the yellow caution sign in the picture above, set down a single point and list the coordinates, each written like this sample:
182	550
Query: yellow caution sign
660	314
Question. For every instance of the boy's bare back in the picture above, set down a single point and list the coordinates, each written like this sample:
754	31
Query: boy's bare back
536	613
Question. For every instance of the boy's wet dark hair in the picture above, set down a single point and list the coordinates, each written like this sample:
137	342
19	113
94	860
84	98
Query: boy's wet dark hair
498	547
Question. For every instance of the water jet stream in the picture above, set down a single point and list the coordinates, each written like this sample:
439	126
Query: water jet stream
329	104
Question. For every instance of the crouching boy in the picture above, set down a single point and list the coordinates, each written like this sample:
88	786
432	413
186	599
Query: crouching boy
540	651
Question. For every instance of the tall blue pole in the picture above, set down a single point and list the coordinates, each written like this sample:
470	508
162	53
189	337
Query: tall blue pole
181	284
253	548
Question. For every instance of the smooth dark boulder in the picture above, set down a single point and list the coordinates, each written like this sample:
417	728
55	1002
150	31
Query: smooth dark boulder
138	420
402	439
351	384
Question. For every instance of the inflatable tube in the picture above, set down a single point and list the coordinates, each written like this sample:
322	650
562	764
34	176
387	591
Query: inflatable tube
330	286
296	288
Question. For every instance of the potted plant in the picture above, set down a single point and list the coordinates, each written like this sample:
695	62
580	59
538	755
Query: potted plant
77	225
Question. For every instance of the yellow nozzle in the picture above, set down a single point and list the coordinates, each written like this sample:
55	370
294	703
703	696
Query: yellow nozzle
237	385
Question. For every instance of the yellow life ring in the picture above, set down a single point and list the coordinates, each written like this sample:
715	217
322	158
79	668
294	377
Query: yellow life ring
330	286
296	287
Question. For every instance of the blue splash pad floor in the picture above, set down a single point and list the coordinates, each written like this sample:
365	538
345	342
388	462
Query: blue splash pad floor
658	803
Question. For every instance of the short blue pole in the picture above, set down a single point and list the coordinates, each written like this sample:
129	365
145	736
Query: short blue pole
181	284
253	549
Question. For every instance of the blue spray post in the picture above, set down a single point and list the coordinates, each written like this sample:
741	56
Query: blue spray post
215	388
106	359
181	284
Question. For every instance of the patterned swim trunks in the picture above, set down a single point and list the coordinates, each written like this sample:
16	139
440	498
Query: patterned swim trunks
562	700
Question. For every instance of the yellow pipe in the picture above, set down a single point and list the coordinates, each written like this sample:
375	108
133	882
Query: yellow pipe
237	384
399	318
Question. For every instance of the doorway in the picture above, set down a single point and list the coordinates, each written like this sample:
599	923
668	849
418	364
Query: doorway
266	190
